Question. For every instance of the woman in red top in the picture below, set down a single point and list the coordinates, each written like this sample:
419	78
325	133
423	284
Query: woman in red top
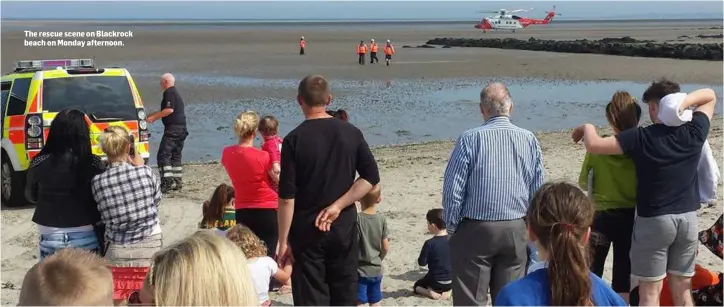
255	201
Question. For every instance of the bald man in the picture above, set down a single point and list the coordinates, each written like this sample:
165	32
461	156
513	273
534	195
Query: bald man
492	174
174	134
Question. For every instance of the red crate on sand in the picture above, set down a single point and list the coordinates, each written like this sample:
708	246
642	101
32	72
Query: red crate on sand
126	280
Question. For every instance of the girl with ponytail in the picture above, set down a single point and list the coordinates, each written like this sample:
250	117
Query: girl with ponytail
219	212
559	223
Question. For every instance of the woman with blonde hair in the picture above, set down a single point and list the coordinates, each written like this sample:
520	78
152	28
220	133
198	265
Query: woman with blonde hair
128	194
256	201
204	269
611	184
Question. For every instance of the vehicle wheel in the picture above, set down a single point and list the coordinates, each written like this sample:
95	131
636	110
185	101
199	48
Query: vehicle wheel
13	184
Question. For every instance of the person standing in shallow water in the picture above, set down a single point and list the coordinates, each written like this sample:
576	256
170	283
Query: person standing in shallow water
317	190
172	114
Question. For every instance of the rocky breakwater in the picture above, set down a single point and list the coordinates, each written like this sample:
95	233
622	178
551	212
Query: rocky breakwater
625	46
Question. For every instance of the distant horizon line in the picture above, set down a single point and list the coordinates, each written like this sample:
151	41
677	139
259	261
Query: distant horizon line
341	20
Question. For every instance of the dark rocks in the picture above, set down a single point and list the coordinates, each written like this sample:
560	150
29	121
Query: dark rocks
710	36
418	46
446	47
625	46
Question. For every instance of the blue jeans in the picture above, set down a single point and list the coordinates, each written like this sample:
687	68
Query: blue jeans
51	243
369	290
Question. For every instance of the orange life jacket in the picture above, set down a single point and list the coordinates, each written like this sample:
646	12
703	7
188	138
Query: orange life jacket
373	47
303	43
361	49
389	50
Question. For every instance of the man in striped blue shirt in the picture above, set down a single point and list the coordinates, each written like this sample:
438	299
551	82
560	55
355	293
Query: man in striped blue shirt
493	172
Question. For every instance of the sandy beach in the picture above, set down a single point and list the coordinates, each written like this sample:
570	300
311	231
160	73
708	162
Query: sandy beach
411	174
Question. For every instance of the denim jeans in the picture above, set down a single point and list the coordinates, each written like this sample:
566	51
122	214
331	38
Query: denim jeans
51	243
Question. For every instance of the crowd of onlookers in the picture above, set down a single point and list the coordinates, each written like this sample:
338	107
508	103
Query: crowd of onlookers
301	214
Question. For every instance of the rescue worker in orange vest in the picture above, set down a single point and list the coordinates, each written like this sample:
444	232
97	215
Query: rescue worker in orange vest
373	52
389	51
302	45
362	51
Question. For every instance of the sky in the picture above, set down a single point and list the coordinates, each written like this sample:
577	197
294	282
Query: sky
350	10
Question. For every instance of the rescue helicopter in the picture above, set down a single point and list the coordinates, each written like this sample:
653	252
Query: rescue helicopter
505	20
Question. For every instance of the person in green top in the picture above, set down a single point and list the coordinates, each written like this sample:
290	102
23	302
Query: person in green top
219	212
611	184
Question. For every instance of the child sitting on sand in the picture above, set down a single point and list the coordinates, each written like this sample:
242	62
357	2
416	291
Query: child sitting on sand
261	266
559	223
218	212
70	277
435	253
268	127
373	247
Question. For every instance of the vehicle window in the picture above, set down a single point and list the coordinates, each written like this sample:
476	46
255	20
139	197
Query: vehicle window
4	100
18	96
102	98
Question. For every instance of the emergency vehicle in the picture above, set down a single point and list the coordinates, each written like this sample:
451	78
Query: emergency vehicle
34	93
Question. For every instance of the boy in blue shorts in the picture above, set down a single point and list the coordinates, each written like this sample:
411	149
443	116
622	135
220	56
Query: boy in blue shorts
373	247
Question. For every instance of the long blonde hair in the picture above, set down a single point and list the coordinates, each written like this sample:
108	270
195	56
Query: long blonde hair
204	269
246	124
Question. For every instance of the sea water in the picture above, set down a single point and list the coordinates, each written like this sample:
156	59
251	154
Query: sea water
405	111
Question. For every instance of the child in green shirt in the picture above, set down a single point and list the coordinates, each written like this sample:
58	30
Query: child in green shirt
611	184
219	212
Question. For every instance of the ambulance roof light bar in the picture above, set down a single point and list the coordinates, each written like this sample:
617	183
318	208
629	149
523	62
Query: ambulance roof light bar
53	64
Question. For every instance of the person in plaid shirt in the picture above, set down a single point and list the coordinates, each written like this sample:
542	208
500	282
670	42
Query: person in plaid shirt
128	195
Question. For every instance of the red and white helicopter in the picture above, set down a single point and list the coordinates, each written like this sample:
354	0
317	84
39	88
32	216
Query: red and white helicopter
504	20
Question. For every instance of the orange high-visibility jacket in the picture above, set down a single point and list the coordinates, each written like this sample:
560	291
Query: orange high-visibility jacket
361	49
373	47
389	50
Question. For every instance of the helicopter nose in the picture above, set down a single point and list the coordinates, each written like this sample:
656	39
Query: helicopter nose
477	26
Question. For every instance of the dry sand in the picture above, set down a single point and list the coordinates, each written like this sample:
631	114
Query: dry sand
412	182
411	174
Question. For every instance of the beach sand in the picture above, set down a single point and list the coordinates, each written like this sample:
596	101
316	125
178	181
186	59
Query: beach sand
411	174
411	185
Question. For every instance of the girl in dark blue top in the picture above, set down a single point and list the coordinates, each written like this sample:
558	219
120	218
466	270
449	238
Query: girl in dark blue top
559	222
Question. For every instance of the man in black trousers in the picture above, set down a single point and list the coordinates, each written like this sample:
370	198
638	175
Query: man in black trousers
317	192
174	134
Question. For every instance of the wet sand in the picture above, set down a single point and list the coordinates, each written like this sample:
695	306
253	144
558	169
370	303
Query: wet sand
273	54
411	174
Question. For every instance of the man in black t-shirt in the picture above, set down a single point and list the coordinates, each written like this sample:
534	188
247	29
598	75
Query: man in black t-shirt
174	134
665	235
317	187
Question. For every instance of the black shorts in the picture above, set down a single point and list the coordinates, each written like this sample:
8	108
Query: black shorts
430	283
388	57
